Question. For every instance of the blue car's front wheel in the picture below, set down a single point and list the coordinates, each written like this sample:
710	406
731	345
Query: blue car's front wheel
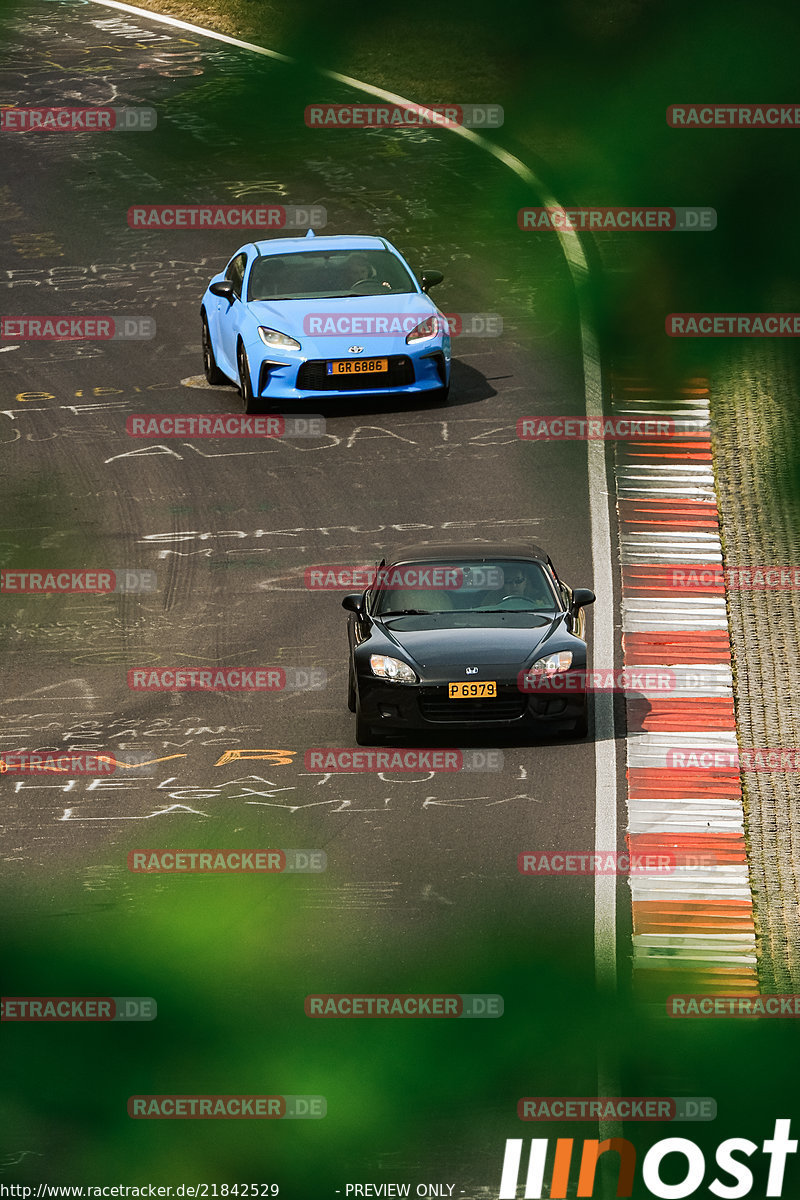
245	384
212	371
438	396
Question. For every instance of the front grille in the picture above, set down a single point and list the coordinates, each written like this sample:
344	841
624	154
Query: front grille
436	706
313	377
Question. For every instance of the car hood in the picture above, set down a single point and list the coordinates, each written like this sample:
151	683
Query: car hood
509	640
321	340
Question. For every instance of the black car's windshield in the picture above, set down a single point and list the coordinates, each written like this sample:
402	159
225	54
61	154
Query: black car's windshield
323	274
478	587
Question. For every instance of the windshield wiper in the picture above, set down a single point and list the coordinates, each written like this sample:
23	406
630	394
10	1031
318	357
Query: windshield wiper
505	610
405	612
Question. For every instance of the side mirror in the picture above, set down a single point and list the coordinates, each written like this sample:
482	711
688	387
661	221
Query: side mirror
430	279
224	289
353	603
581	597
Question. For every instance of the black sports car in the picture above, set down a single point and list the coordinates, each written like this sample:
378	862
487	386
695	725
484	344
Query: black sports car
448	636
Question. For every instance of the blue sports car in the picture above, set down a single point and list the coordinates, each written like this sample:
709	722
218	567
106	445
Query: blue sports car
314	317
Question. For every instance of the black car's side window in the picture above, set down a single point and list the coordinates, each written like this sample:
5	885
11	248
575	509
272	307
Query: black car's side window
235	272
561	588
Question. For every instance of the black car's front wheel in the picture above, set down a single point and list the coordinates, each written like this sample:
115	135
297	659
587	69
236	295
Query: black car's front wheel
581	729
245	386
351	690
364	734
212	371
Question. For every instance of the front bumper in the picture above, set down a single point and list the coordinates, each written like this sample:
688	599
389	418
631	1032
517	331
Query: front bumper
426	706
276	378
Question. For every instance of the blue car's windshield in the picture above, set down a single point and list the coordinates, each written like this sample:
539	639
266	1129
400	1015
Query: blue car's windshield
322	274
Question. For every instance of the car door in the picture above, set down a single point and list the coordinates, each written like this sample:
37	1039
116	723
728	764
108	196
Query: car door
230	316
575	623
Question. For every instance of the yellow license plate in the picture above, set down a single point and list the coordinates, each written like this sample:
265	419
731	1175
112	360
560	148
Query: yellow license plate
358	366
486	689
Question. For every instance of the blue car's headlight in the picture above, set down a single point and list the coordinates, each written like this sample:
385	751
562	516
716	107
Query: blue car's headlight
391	668
277	340
423	332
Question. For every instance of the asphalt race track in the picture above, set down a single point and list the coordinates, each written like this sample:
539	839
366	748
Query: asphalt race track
229	527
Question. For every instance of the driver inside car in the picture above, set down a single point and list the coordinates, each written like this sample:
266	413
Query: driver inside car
519	585
358	269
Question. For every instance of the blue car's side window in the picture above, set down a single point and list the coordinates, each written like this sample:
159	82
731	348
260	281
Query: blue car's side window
235	272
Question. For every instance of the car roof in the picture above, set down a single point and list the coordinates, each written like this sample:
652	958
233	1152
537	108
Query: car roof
334	242
468	552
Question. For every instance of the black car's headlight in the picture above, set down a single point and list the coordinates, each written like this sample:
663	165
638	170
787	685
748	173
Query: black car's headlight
424	331
391	668
277	340
551	664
